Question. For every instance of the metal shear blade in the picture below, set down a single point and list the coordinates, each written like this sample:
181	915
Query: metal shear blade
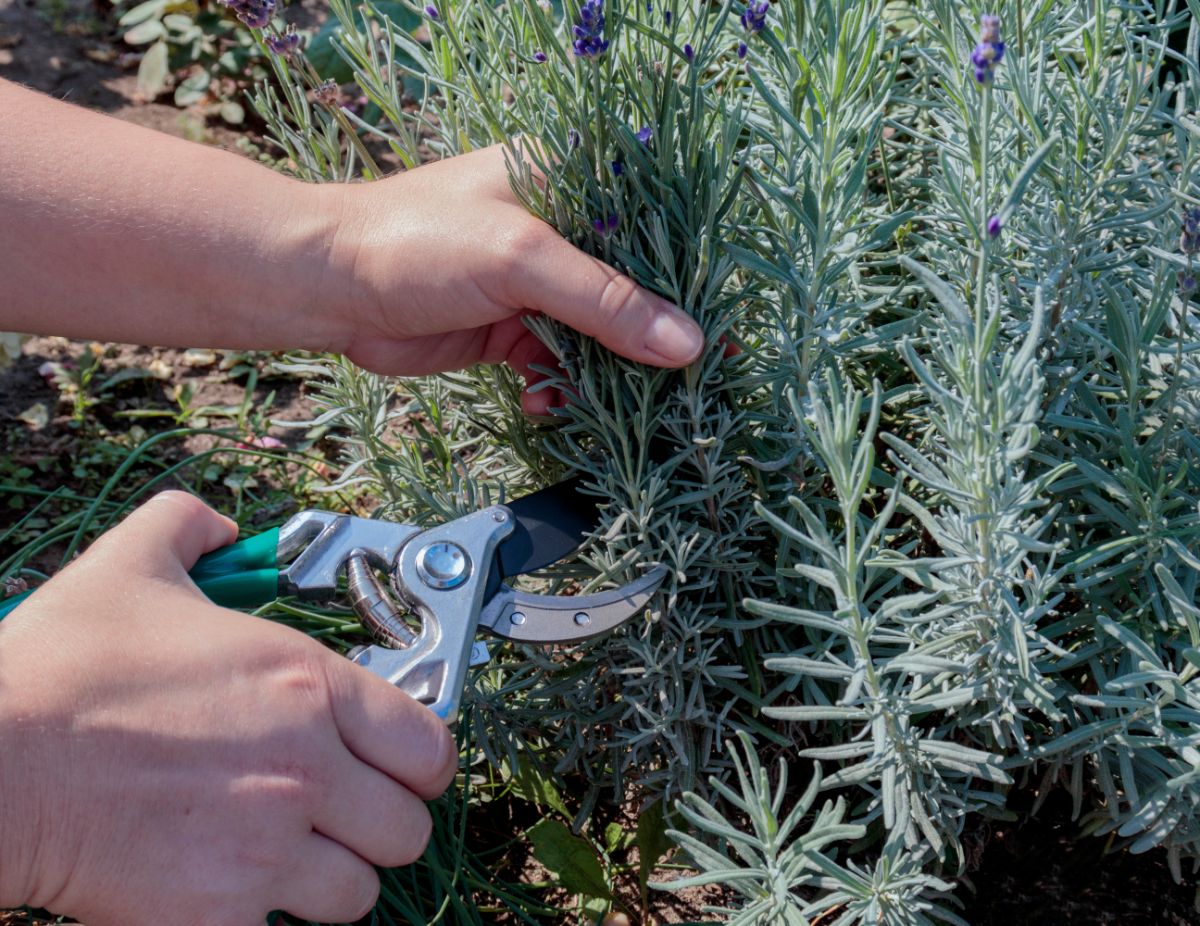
527	618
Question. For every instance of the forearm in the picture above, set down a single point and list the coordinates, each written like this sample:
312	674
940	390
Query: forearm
116	232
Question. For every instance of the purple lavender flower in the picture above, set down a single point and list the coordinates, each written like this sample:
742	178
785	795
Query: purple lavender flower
993	226
667	17
540	57
573	139
607	226
285	44
1187	283
742	49
589	31
432	12
644	135
617	168
1189	235
650	7
990	50
253	13
754	17
688	51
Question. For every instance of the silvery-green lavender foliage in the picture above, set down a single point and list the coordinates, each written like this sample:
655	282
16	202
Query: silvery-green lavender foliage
936	526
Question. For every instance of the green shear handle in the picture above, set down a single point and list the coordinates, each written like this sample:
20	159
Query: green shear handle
242	575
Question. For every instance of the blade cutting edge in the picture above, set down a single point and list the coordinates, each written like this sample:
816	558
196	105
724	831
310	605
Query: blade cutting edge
550	524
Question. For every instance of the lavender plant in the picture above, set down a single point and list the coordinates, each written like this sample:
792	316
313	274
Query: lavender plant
934	526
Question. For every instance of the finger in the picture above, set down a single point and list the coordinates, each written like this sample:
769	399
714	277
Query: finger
592	297
373	816
175	525
328	883
541	402
387	729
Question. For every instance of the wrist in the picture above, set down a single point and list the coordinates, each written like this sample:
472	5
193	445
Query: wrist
325	239
19	837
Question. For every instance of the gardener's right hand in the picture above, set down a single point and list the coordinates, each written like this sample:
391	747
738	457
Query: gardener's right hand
163	760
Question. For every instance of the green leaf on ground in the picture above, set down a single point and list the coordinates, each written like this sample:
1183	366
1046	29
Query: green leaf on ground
571	858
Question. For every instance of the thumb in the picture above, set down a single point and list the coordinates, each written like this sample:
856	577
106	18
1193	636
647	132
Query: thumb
592	297
177	526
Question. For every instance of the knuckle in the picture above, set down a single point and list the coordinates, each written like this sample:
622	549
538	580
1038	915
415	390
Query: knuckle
618	306
412	846
361	893
430	739
185	503
301	679
270	857
519	245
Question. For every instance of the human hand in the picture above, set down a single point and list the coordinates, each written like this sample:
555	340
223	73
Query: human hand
433	269
169	761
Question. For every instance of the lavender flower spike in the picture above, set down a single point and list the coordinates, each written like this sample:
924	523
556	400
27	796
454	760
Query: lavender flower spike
253	13
1189	235
644	135
993	226
990	50
754	17
540	57
589	31
688	51
432	12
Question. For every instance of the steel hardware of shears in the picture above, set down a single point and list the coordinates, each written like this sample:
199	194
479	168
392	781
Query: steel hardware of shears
449	576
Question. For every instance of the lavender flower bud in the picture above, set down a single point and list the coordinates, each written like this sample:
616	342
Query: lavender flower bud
754	17
994	226
1187	283
540	57
741	50
617	168
990	50
667	17
286	44
328	93
1189	235
688	52
606	227
432	11
644	135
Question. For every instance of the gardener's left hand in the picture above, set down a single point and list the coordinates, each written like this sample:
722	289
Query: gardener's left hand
437	265
118	233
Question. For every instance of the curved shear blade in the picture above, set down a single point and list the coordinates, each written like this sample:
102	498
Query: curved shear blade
549	525
527	618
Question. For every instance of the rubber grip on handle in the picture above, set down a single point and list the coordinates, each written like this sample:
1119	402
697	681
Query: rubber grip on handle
241	575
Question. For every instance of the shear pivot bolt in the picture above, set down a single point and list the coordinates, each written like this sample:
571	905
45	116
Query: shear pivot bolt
517	618
583	618
443	565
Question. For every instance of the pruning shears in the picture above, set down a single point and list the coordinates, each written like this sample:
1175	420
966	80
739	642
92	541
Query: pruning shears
450	576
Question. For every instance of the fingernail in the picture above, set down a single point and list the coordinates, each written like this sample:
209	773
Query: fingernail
674	337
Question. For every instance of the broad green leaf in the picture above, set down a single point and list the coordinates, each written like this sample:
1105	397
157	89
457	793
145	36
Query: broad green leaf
192	88
652	842
144	33
141	12
152	72
537	788
570	858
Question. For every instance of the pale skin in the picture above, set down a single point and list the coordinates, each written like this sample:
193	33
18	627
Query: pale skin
163	759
